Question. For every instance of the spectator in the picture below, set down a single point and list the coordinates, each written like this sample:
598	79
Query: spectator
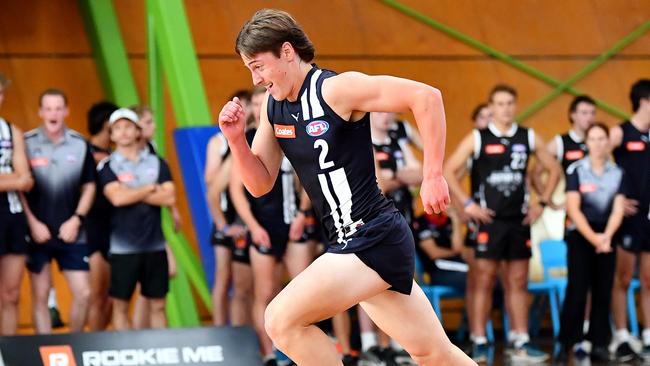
594	204
137	183
64	190
98	222
14	177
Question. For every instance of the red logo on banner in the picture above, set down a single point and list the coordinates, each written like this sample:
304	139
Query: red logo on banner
494	149
635	146
57	356
39	161
285	131
574	155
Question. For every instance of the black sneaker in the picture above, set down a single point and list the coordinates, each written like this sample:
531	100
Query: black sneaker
600	354
528	353
624	353
271	362
55	317
349	360
479	352
403	358
645	353
372	357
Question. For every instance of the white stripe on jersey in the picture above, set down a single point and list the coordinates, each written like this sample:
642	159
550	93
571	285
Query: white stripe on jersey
531	139
316	107
559	148
6	168
288	191
305	106
477	143
333	208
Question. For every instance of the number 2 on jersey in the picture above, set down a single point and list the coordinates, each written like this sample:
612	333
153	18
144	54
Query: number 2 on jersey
322	144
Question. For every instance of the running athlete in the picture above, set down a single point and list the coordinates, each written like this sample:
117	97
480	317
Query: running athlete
499	201
98	222
631	143
320	121
14	177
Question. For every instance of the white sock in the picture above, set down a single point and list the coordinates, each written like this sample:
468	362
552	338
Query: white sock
368	340
585	327
395	346
646	336
51	298
479	340
522	338
512	336
270	356
622	335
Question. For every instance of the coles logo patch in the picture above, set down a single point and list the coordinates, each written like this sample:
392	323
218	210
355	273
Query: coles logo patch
57	355
574	155
284	131
381	156
483	238
493	149
635	146
317	128
588	188
39	161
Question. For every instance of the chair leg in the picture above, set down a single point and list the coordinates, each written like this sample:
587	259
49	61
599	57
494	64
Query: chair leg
489	331
555	312
631	312
506	324
462	329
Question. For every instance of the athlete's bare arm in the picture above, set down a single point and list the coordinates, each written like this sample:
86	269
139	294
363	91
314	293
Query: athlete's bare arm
164	195
548	163
411	173
21	178
615	136
121	195
392	94
258	165
538	170
455	170
243	208
214	182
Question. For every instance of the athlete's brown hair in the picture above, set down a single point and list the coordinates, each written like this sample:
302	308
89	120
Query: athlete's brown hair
267	30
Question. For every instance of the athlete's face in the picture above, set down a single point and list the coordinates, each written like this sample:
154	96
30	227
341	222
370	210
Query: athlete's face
124	133
272	72
147	125
584	116
598	143
53	112
381	120
483	117
503	106
256	105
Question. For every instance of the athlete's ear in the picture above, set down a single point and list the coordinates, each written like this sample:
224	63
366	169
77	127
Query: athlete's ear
287	51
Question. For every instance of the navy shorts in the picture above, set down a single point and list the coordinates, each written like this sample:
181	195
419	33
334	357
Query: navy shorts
472	233
635	233
279	235
388	249
238	246
98	236
70	257
150	269
14	233
503	240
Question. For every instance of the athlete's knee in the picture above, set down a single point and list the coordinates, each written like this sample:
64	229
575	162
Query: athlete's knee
434	355
274	323
10	295
623	277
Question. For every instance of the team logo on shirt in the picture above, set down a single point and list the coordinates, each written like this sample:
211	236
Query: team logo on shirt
588	188
574	155
71	158
381	155
284	131
493	149
5	144
125	177
635	146
519	147
483	238
39	161
317	128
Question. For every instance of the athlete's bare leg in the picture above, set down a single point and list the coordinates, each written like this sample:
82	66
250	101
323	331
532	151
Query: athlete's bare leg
485	278
11	273
625	263
99	312
221	282
79	283
340	281
516	275
41	284
242	298
265	284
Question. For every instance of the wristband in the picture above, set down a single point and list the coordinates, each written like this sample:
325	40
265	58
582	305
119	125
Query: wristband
225	228
81	217
468	202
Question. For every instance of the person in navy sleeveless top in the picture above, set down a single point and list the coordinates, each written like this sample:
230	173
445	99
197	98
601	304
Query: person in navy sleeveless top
320	121
631	143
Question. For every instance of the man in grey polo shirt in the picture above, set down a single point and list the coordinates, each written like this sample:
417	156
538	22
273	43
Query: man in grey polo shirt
63	192
138	183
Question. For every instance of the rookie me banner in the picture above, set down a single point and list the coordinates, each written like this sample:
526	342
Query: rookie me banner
172	347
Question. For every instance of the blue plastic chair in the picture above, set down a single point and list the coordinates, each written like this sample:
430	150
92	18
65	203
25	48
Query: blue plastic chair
435	293
635	285
554	282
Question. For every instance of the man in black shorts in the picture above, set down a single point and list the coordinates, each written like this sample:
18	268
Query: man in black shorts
320	121
631	143
499	201
14	177
138	183
64	190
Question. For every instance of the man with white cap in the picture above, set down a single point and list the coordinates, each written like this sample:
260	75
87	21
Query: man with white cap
138	184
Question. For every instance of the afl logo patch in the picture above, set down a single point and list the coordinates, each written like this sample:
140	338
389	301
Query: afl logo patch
317	128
